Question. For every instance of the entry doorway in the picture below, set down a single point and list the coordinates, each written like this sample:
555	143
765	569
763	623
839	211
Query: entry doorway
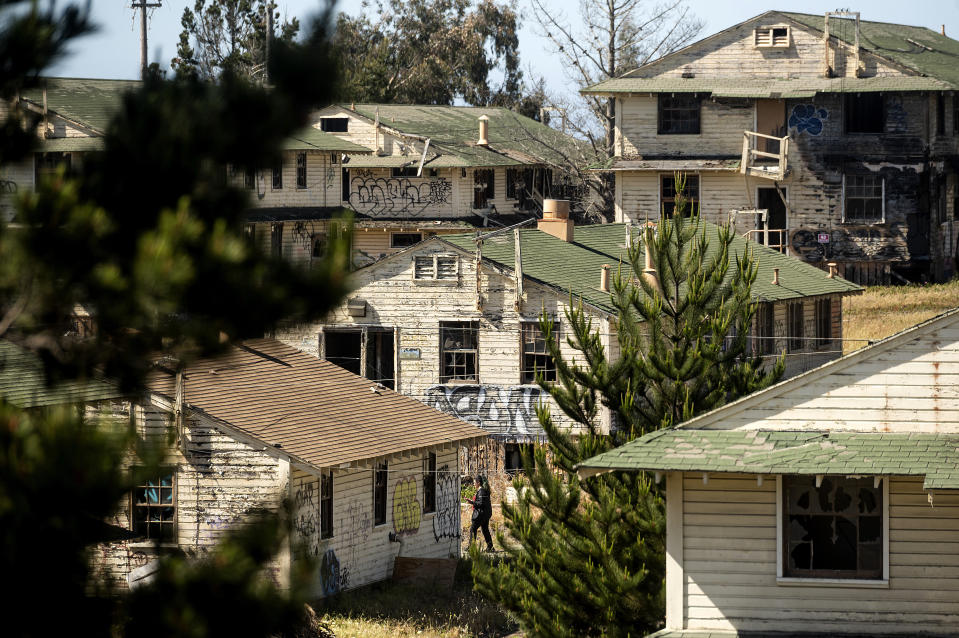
771	120
367	352
769	199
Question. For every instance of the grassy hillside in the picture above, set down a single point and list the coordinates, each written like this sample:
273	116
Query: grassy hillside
885	310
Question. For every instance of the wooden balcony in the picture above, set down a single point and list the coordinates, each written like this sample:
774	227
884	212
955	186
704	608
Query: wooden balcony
764	155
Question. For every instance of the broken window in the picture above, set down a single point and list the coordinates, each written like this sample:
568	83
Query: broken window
278	176
405	171
765	328
380	479
679	114
326	504
864	113
771	37
688	186
458	341
833	530
301	170
404	240
435	267
824	322
863	198
429	483
794	319
154	507
335	124
535	357
484	188
367	352
343	348
513	461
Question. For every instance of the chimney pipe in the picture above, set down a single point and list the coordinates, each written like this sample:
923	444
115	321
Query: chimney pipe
832	270
775	276
483	131
942	29
556	219
604	278
649	272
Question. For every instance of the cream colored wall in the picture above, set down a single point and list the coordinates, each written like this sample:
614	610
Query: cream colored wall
722	123
323	182
362	552
729	563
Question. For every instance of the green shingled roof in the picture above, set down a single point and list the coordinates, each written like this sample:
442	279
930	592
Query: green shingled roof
575	266
87	101
514	140
790	452
313	139
745	87
23	383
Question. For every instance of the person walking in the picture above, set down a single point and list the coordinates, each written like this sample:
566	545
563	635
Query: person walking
482	512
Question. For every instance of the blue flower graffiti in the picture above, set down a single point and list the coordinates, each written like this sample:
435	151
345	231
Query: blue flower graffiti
806	117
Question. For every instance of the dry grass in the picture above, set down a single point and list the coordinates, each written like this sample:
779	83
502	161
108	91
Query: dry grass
395	611
882	311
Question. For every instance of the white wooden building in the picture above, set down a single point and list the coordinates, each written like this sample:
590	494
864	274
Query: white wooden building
824	505
454	323
842	130
371	475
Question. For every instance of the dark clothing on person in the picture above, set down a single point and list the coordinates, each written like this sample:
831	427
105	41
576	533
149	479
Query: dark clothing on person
482	513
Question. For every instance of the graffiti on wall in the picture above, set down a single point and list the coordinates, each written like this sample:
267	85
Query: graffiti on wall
808	118
503	410
406	509
446	521
387	195
867	242
897	119
333	577
306	518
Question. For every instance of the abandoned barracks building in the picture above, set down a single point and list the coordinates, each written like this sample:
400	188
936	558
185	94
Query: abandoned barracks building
371	475
454	321
432	170
844	133
826	505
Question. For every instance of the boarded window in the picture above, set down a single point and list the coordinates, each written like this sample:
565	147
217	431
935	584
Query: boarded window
688	186
429	483
278	177
824	322
380	480
863	198
443	267
301	170
864	113
154	507
484	188
535	357
404	240
326	504
679	114
834	530
458	346
335	124
794	319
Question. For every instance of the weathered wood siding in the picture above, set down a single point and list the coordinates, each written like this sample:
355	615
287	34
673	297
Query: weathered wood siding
323	182
909	388
360	552
219	481
721	129
729	556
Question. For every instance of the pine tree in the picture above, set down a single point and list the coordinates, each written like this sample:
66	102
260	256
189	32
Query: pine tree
587	556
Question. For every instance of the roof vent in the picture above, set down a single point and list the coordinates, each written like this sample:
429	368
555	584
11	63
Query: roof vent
604	278
483	131
556	219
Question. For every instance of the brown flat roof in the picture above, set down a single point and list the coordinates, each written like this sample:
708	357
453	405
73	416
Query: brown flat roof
311	410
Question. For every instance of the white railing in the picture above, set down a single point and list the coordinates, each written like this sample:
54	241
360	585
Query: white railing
774	238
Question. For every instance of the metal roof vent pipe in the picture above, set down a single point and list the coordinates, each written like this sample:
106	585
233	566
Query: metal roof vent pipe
483	131
604	278
649	272
556	219
775	276
833	270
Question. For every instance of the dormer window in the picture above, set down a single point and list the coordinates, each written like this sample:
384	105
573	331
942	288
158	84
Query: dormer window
771	37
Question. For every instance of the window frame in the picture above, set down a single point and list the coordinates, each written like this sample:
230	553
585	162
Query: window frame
483	197
812	581
326	505
278	176
170	471
393	236
381	480
846	219
692	202
527	374
848	107
795	339
452	378
276	240
301	168
327	124
766	328
663	111
404	171
429	483
824	335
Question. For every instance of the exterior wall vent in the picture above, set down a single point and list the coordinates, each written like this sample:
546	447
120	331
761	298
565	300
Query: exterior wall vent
771	37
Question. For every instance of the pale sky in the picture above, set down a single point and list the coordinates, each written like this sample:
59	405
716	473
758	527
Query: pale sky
114	51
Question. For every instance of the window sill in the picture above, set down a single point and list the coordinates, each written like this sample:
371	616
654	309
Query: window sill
151	545
436	282
861	222
832	582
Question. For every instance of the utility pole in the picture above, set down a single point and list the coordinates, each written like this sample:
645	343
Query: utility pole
269	37
143	5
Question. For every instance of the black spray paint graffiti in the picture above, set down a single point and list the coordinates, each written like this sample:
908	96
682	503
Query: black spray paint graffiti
334	578
852	243
306	518
382	195
446	521
503	410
